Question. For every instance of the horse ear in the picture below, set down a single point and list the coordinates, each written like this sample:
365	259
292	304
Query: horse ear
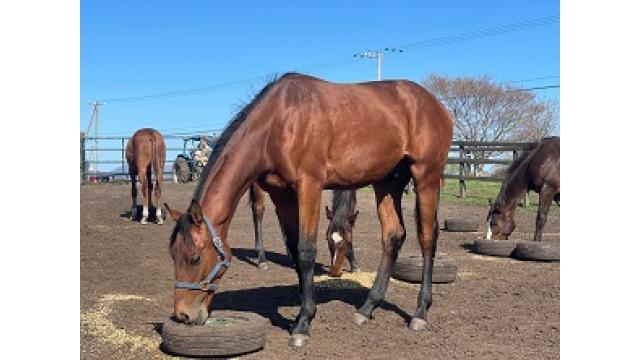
175	214
328	212
353	217
195	213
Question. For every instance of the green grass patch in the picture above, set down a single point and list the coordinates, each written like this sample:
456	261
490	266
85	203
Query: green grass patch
478	193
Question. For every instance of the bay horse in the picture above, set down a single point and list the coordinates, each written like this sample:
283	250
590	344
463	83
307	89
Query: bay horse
298	136
537	169
342	217
145	152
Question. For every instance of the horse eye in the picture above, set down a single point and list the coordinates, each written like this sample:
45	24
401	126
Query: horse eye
194	260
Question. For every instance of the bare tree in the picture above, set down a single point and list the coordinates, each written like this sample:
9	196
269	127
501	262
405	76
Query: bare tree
484	110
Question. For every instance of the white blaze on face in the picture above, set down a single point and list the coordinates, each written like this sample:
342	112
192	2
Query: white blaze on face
336	238
489	233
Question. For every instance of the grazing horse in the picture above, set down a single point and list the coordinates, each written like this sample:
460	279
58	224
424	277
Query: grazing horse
539	170
342	217
341	222
298	136
146	151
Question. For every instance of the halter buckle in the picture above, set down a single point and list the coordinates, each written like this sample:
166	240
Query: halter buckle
204	286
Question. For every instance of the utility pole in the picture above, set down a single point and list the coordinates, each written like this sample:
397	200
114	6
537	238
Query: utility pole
376	54
94	120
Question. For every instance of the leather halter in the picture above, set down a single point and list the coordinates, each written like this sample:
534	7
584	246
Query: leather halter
207	284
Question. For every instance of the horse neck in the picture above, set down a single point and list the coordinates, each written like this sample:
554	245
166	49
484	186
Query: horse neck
514	188
230	177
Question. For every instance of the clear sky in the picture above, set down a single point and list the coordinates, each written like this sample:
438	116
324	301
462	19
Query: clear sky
136	48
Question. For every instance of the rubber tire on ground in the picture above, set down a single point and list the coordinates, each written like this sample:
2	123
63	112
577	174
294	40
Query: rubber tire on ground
460	225
409	268
500	248
247	333
537	251
181	170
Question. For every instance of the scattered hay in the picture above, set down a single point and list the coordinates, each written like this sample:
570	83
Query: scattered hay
96	322
348	280
466	274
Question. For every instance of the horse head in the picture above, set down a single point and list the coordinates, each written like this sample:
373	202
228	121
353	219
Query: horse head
339	236
500	221
199	259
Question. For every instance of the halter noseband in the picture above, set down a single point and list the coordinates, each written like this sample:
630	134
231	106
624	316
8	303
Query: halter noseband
207	284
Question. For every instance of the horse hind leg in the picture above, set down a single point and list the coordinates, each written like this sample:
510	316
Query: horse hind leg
388	197
134	196
144	183
546	198
159	170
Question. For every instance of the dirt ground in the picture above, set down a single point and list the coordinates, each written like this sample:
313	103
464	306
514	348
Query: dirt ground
496	309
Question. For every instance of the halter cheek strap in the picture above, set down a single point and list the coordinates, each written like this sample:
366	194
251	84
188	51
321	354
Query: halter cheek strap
207	284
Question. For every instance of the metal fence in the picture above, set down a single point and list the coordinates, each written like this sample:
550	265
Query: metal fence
97	152
466	154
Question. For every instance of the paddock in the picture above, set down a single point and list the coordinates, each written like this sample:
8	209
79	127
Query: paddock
497	308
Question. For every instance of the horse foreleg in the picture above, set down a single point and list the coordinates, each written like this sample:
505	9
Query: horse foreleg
257	207
428	232
302	245
352	258
547	194
388	198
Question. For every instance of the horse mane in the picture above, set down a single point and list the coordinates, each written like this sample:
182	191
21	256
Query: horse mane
342	203
230	129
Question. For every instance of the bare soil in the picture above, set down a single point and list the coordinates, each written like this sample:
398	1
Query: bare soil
496	309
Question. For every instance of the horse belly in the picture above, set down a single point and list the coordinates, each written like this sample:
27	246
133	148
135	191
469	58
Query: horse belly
357	170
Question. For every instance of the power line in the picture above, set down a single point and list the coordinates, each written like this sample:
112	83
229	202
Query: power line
345	60
171	131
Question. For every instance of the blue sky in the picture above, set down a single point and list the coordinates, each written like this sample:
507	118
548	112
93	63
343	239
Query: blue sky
133	48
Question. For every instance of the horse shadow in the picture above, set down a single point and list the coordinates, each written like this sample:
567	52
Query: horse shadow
265	301
250	256
152	214
468	247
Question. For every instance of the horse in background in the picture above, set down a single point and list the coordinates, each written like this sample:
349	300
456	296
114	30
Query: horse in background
145	152
539	170
342	217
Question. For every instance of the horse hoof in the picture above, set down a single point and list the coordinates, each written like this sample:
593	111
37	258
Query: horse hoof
159	222
263	266
144	221
298	340
360	319
418	324
355	269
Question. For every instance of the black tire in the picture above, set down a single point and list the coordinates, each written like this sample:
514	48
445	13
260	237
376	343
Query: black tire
409	269
500	248
537	251
460	225
181	170
226	333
